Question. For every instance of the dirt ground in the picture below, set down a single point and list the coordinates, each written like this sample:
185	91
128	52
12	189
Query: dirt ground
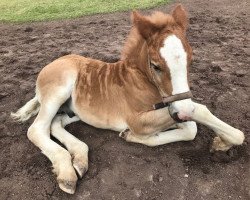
220	78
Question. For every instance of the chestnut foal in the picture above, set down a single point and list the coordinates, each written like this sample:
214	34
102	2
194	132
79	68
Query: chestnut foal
120	96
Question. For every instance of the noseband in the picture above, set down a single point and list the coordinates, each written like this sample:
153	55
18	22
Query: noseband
177	97
168	100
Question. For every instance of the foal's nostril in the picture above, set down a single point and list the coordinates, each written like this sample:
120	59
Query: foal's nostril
176	117
174	114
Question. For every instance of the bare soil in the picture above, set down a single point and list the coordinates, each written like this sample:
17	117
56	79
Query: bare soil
220	79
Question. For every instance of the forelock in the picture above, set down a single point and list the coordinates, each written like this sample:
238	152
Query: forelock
161	19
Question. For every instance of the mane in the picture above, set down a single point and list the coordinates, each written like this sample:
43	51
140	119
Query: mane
135	41
132	44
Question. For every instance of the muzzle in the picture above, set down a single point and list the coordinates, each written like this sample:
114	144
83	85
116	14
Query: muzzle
170	99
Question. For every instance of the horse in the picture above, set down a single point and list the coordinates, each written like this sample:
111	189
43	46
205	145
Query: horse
145	96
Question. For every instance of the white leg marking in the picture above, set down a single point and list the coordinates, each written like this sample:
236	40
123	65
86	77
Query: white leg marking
229	135
77	148
39	134
186	131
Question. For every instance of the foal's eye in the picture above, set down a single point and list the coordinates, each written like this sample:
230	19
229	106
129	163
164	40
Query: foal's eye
155	67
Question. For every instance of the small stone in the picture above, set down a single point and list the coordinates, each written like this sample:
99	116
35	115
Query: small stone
86	194
28	29
247	115
150	177
217	20
199	98
8	53
138	192
240	73
64	52
46	35
3	117
3	94
186	175
216	68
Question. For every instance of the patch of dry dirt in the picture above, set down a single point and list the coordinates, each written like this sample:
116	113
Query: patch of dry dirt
119	170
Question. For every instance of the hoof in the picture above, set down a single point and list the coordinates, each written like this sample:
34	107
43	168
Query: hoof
124	134
219	145
67	186
80	167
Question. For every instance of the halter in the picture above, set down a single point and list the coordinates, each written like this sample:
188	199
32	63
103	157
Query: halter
177	97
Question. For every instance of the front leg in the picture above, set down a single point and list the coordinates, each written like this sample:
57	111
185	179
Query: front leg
184	132
227	135
150	122
148	128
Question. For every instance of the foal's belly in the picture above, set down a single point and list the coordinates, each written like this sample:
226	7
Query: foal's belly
101	120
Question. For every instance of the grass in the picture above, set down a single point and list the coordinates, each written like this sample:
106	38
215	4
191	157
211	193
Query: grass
41	10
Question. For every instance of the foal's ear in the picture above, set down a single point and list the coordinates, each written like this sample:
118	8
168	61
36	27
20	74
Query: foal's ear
145	27
180	16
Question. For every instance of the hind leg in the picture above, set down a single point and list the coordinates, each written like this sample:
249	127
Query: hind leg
77	148
39	134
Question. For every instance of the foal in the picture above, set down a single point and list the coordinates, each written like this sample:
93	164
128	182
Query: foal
120	96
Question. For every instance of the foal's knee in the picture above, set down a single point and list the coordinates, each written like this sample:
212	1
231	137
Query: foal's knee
37	133
32	133
190	129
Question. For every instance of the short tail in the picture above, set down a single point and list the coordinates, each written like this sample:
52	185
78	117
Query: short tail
30	109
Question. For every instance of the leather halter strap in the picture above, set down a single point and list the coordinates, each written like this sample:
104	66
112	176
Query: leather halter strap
177	97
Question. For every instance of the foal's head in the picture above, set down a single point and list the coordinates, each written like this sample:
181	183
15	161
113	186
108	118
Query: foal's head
168	52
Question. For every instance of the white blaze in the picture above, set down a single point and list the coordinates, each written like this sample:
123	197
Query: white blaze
176	58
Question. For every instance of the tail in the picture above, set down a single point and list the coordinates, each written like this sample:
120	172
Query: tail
30	109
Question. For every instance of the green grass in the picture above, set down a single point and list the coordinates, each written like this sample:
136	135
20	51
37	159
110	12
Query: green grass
41	10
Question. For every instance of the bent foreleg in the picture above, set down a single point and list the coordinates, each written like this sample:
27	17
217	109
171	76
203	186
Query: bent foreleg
150	128
227	135
184	132
150	122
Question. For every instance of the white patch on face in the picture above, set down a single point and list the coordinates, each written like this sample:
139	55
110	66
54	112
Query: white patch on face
176	58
